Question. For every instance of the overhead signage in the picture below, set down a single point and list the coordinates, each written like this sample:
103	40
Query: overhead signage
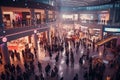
112	29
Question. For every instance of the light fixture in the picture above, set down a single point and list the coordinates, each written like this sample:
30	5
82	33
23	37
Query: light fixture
4	31
35	31
4	39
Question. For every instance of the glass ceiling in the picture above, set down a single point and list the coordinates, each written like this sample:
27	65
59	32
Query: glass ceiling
76	3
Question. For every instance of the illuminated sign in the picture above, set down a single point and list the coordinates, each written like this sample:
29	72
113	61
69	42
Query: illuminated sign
112	29
4	39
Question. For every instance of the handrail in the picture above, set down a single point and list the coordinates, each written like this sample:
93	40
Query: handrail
20	24
106	40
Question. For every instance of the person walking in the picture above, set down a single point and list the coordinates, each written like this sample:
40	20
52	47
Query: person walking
39	66
75	77
47	69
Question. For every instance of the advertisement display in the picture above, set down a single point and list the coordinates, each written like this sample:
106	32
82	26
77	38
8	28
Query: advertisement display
70	16
112	30
86	16
103	18
67	16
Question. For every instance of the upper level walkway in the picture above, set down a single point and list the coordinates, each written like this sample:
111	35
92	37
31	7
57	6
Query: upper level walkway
18	32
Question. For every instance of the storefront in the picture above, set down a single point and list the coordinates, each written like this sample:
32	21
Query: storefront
15	17
51	15
20	45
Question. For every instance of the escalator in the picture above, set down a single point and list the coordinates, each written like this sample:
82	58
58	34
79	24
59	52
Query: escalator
103	41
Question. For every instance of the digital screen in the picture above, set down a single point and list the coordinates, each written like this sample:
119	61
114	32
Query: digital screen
86	16
112	29
104	16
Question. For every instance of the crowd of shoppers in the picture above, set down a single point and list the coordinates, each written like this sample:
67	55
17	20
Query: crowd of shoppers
94	71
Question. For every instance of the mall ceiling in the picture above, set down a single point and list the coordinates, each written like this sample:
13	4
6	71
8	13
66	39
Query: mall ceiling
76	3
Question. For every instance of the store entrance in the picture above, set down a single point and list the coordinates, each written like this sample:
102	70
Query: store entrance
6	20
21	50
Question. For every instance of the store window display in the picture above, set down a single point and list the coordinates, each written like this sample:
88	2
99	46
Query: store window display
23	47
17	17
12	19
38	17
6	20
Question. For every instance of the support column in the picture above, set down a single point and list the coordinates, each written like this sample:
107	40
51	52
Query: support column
33	19
78	17
1	20
117	15
48	36
112	15
5	53
46	16
54	15
35	41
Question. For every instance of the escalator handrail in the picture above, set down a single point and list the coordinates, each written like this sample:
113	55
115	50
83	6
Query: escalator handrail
106	40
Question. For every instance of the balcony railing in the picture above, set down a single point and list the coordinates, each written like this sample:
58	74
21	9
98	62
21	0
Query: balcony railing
19	24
